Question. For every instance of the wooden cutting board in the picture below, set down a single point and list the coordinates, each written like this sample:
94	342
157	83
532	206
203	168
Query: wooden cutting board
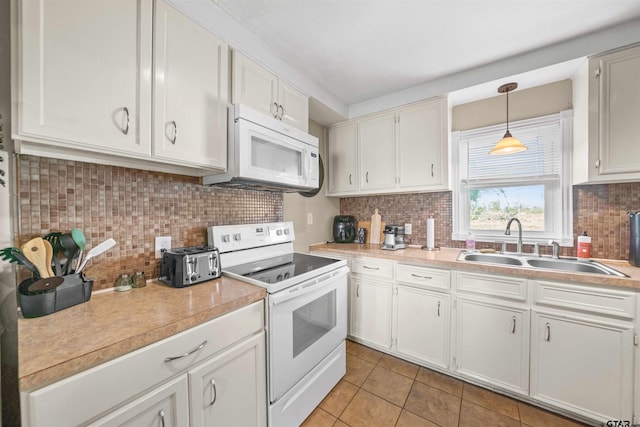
367	226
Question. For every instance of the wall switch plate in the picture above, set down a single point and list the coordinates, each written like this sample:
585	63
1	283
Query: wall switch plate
309	218
163	243
408	229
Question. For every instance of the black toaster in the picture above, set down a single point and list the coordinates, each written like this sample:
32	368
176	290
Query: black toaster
187	266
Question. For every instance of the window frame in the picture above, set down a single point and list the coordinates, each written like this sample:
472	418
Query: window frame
559	220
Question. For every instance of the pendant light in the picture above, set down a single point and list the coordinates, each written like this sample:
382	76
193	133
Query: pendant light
508	144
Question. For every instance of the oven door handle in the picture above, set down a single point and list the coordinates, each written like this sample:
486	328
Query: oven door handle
306	287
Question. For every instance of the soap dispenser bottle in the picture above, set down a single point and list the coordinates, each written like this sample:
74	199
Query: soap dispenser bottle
584	247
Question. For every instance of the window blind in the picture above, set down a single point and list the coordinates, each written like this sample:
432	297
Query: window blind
542	161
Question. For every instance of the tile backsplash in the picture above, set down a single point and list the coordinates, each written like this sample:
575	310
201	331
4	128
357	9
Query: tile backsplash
601	210
131	206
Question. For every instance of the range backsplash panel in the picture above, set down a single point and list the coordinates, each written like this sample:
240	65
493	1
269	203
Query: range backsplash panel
601	210
131	206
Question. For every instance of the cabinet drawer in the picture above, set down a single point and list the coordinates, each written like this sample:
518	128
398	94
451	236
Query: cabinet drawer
423	276
372	267
610	302
110	384
505	287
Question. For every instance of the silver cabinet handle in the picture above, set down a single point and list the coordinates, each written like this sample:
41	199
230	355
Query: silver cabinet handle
371	268
200	347
438	308
175	132
350	179
513	325
358	291
214	392
421	277
431	170
126	126
161	417
367	177
281	109
547	332
275	115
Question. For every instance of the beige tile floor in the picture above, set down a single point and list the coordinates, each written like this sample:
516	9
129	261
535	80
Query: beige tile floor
381	390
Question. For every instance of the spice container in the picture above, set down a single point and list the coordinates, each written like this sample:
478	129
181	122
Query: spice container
139	281
123	283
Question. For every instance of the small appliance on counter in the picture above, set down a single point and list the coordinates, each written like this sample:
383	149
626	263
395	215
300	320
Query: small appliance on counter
393	237
344	229
634	238
187	266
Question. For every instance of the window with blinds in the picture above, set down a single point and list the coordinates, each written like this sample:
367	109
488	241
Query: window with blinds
532	186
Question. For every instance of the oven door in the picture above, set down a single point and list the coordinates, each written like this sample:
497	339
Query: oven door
306	322
267	155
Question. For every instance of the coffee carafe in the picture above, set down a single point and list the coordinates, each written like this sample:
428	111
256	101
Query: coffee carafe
634	238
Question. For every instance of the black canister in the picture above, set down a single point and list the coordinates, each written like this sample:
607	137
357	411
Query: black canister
634	238
344	229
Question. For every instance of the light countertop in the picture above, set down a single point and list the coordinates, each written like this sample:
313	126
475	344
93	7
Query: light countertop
112	324
446	258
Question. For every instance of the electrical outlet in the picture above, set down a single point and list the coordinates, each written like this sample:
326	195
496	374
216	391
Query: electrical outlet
408	229
163	243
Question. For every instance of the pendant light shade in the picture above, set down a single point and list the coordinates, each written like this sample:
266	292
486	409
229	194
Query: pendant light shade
508	144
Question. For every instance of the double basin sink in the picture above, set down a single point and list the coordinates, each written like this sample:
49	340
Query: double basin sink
569	265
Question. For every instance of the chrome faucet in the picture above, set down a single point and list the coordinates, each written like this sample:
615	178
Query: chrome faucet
507	232
556	249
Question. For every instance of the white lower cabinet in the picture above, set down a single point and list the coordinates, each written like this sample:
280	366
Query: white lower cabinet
167	406
421	325
213	374
493	343
370	317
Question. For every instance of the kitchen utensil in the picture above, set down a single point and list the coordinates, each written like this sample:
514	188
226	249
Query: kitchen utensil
45	285
54	239
71	249
101	248
49	255
15	255
81	241
35	251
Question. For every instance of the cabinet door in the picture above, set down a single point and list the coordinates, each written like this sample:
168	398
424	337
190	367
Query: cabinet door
191	86
421	147
294	106
230	389
492	343
166	406
343	159
254	86
583	365
84	74
377	153
422	325
619	110
371	311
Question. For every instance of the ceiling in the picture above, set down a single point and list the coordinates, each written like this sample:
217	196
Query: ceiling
363	50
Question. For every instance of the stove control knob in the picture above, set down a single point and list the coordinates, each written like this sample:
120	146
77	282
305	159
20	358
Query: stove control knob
286	231
279	232
225	238
237	237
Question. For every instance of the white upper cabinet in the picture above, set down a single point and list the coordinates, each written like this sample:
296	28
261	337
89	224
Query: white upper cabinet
377	152
609	125
87	89
398	151
191	90
83	79
263	91
343	159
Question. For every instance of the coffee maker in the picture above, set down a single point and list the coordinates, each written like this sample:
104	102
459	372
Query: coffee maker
393	238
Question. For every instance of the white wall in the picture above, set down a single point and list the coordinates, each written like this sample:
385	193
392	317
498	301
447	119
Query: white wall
297	208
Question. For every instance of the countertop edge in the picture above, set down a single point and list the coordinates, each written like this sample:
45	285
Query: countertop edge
446	258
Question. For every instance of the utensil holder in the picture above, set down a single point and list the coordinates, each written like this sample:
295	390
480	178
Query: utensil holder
75	289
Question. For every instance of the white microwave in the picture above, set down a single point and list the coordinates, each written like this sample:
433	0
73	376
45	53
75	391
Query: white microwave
264	153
